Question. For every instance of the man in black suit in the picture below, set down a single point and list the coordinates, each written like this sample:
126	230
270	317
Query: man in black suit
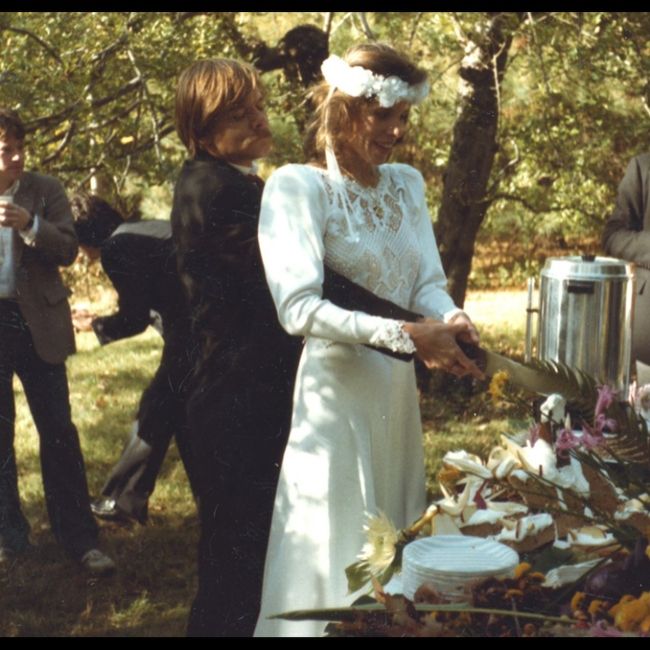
239	408
627	236
139	258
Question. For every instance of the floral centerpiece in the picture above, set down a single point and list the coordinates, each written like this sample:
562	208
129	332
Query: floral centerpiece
570	495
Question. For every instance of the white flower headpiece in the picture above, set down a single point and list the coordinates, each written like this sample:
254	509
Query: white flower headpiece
357	81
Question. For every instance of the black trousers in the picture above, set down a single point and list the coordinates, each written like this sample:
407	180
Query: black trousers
62	465
238	431
161	415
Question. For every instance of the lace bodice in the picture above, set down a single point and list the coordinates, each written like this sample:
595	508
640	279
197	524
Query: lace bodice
386	245
384	257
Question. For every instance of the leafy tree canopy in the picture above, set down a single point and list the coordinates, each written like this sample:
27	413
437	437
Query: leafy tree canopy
96	91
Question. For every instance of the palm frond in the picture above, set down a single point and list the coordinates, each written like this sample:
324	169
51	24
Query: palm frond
576	386
631	442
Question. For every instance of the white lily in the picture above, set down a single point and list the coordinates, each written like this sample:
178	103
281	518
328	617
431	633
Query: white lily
468	463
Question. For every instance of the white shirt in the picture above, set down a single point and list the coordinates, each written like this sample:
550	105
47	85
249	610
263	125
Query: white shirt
247	171
7	263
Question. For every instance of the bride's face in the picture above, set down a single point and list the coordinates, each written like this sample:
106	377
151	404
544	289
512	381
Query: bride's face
377	130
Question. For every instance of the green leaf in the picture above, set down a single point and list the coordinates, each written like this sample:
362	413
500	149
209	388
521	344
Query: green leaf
358	575
550	558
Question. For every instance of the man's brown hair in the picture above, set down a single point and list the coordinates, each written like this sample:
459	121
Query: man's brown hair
205	90
11	125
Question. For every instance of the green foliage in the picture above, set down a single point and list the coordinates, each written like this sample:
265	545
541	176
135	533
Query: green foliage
97	88
46	593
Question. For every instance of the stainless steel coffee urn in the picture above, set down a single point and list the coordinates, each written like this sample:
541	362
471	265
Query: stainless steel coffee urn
585	316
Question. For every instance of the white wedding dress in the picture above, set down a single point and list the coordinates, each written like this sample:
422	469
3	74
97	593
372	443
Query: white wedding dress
356	438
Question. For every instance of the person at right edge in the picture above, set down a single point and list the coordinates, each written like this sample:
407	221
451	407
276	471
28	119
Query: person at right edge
239	400
627	236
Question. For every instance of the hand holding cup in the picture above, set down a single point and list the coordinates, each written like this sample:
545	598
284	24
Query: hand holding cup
13	215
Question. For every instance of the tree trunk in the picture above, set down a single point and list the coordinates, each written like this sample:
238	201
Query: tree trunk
473	148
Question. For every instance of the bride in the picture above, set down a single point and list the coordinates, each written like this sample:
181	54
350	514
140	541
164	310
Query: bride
355	446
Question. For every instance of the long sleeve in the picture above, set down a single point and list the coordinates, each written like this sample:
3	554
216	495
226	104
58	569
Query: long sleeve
624	235
430	295
291	237
131	262
55	241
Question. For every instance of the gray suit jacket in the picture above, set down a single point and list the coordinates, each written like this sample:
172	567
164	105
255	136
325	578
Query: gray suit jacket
41	294
627	236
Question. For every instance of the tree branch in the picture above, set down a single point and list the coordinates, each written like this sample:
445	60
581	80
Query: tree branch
48	48
128	87
502	172
461	35
327	23
505	196
346	15
113	118
181	16
365	27
416	24
64	143
149	102
52	120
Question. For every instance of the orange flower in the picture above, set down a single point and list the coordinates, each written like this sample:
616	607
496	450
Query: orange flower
645	625
624	599
597	607
632	613
536	576
577	600
522	569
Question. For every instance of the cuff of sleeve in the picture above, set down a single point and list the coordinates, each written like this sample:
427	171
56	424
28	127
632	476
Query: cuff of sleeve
391	335
448	315
29	235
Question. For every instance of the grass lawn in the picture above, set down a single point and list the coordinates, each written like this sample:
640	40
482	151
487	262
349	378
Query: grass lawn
46	594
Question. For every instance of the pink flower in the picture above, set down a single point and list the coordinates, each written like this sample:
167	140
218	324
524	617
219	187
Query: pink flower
591	438
606	395
601	422
566	440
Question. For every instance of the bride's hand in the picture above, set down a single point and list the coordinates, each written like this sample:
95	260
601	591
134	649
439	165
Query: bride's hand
435	344
471	335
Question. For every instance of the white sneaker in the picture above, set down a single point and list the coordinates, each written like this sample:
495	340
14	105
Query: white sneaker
97	562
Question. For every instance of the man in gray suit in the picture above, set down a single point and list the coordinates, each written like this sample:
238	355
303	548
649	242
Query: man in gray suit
36	237
627	236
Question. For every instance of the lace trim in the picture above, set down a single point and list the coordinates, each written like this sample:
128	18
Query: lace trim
391	335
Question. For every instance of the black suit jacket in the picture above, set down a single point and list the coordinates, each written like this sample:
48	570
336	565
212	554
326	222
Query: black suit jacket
627	236
139	258
214	225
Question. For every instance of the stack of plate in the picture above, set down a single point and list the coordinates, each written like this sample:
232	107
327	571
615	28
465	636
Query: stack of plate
451	563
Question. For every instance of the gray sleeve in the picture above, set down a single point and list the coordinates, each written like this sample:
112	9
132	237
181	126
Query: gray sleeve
624	235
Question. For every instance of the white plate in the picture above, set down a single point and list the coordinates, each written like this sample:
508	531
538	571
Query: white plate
452	563
459	555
